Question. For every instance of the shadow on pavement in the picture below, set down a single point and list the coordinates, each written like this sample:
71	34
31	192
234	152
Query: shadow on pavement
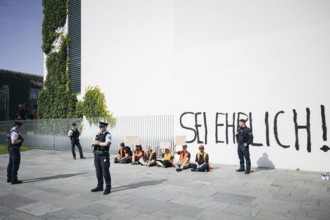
60	176
137	185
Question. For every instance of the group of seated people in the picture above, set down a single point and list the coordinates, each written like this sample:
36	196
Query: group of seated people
149	158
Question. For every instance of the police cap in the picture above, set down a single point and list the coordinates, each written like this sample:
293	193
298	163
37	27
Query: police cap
103	124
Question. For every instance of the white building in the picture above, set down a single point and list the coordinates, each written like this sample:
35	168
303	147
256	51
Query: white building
207	61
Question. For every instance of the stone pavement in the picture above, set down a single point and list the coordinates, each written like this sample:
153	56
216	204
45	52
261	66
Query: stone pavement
57	187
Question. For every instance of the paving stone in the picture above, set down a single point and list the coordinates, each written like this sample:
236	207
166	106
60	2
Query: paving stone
242	211
14	201
67	214
232	197
95	209
39	208
272	215
148	193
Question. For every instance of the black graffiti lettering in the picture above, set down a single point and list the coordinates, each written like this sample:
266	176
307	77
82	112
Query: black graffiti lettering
216	127
324	124
188	128
251	127
276	130
230	126
199	125
267	128
205	126
307	127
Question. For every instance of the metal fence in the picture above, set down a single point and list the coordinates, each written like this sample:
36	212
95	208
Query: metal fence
51	134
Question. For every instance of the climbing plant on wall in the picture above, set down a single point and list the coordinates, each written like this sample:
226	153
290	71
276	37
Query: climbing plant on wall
56	100
93	106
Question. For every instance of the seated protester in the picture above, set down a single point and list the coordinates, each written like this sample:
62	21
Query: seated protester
184	160
202	161
137	154
124	154
149	157
168	159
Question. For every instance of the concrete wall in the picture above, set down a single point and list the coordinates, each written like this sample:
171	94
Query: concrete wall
267	59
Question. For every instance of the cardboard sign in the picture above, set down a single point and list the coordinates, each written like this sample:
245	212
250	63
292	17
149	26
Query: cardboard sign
132	140
180	140
164	145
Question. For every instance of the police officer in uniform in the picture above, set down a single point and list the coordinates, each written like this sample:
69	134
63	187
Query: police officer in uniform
244	139
74	137
15	141
101	146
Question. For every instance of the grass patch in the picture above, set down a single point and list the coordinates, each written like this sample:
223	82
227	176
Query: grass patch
4	150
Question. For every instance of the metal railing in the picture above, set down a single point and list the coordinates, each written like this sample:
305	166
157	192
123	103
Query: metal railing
51	134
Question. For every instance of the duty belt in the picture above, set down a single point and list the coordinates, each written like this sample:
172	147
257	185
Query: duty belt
100	152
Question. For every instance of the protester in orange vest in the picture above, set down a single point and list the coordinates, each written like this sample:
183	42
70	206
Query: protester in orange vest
184	160
149	158
137	154
168	159
124	154
202	161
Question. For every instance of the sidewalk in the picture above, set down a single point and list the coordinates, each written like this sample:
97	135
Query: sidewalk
58	187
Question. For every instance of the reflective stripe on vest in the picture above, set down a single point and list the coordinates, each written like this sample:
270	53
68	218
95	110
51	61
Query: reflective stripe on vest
149	156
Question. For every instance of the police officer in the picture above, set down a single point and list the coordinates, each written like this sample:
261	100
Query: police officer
244	139
15	141
101	145
74	134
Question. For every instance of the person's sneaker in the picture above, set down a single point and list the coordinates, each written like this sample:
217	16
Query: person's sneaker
17	182
107	191
194	170
83	158
178	170
74	158
247	172
8	180
96	189
240	170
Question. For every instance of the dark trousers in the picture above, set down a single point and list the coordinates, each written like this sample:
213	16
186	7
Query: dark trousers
203	168
126	160
102	167
13	165
244	153
167	163
75	142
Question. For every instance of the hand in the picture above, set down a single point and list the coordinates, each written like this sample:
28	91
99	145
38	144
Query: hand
198	166
96	143
181	167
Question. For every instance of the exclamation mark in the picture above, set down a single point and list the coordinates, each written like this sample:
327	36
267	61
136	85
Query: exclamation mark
325	148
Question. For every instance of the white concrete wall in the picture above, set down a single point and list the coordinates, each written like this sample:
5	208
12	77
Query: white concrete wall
156	57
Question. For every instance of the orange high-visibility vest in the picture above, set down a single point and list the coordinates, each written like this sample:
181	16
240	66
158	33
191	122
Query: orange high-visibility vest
184	157
198	159
121	152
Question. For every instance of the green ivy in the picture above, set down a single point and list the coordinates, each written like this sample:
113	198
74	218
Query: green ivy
55	12
94	108
56	100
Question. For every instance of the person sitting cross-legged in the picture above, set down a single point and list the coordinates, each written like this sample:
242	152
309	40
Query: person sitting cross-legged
137	154
149	158
168	159
202	161
124	154
184	160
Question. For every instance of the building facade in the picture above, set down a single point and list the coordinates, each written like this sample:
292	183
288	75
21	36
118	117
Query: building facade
210	63
19	93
